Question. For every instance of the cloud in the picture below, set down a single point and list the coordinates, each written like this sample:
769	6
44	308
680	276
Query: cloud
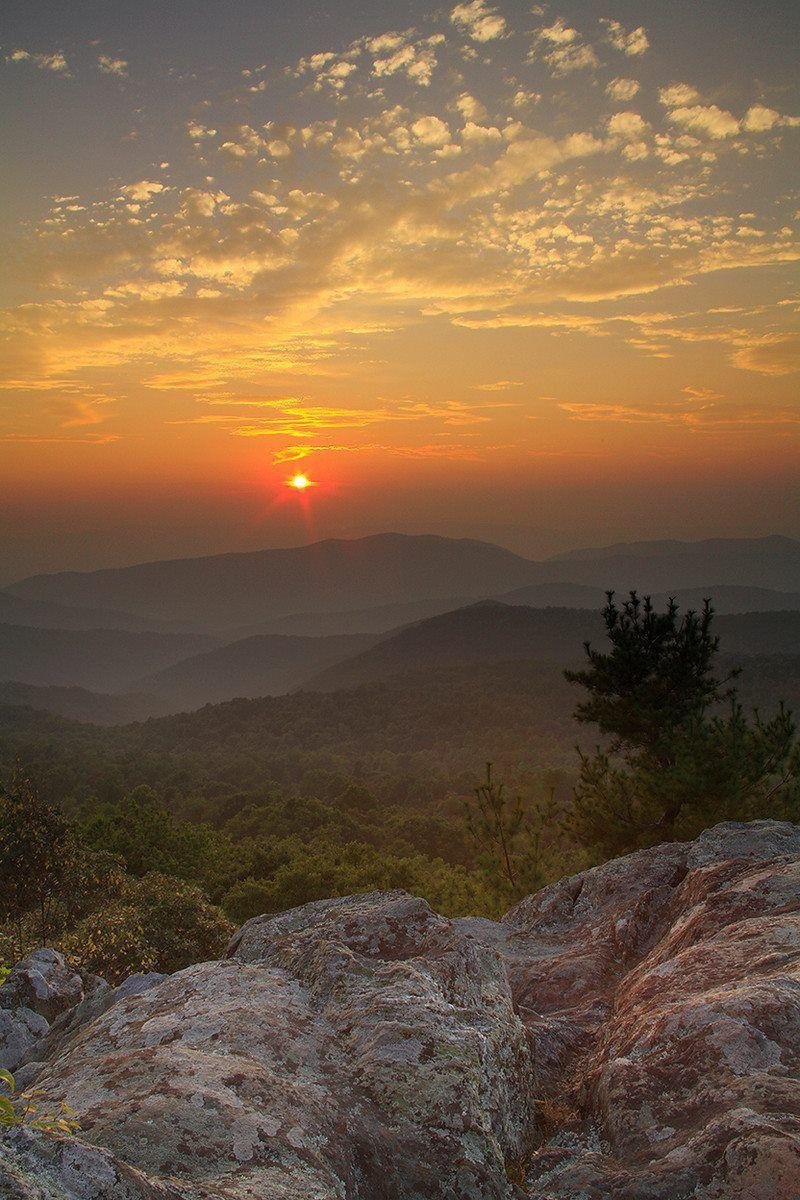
431	131
563	60
502	385
706	118
678	94
417	61
770	354
627	125
622	90
632	42
760	119
479	20
145	189
113	66
558	33
54	61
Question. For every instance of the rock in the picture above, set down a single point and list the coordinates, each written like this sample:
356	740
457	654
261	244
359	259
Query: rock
20	1029
632	1033
44	983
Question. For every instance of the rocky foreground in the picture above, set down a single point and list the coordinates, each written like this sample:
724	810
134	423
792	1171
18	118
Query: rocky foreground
632	1032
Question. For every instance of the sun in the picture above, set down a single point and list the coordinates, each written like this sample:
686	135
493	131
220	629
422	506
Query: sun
300	482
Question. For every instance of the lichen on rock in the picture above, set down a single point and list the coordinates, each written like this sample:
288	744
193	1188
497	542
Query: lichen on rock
630	1033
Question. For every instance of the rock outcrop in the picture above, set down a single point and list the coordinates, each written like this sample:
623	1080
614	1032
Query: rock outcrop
631	1033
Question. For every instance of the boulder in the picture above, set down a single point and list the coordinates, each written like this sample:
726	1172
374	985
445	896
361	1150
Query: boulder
44	983
631	1033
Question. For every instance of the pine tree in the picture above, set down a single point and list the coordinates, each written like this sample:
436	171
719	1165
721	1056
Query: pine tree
680	752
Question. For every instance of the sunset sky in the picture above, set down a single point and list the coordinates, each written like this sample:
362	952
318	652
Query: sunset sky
526	273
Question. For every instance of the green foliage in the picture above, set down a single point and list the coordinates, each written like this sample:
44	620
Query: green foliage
515	839
313	871
26	1111
157	923
36	849
673	763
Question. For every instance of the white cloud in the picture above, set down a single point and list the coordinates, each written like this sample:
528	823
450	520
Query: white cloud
760	119
479	20
627	125
563	60
706	118
45	62
431	131
113	66
470	108
417	62
622	89
479	135
632	42
678	94
145	189
558	33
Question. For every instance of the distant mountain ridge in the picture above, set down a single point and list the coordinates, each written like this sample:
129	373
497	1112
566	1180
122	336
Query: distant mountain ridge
250	592
230	590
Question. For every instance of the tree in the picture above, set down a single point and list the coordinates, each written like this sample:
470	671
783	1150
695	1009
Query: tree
508	834
675	760
36	853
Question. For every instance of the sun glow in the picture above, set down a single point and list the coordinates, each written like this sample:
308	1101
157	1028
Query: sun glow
300	482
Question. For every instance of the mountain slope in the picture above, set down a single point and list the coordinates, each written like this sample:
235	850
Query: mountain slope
46	614
99	659
770	562
257	666
492	631
483	632
231	590
725	597
79	704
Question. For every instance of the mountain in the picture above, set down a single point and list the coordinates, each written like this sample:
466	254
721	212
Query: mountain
256	666
381	619
231	590
46	614
491	631
725	597
484	632
79	704
770	562
100	659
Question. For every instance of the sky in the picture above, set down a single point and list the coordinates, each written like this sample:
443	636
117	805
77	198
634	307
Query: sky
527	273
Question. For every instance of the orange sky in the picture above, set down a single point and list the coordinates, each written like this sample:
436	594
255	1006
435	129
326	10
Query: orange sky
539	261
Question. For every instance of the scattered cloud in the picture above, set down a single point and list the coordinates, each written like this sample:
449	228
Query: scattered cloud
479	20
622	90
113	66
632	42
54	61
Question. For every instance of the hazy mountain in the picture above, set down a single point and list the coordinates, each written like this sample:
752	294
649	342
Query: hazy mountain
480	633
257	666
46	614
231	590
770	562
99	659
726	598
381	619
249	592
78	704
492	631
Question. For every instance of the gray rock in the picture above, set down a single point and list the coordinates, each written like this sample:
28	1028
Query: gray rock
631	1033
42	982
20	1029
